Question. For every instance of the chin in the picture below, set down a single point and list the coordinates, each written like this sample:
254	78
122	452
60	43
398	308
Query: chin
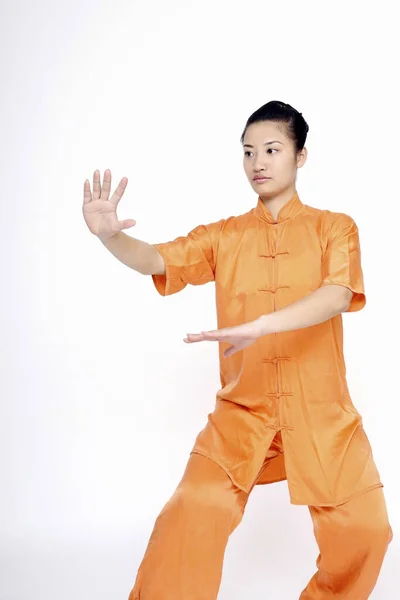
264	189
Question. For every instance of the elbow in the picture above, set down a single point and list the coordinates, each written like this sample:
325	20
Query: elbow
344	301
340	297
344	307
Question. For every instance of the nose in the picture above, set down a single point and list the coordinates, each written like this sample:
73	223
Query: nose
259	165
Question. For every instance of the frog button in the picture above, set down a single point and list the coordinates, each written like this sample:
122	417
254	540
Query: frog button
275	361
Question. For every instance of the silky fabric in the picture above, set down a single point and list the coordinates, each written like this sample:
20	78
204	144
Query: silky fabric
185	552
291	382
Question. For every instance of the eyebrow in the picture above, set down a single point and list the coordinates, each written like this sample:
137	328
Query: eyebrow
265	144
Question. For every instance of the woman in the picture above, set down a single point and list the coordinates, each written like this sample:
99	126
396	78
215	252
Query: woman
283	272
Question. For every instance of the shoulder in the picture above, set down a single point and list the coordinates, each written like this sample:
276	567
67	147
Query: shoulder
329	218
335	223
236	223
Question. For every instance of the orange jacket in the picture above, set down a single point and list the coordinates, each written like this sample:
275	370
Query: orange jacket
292	382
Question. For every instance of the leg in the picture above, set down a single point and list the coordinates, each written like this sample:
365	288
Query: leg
352	539
184	556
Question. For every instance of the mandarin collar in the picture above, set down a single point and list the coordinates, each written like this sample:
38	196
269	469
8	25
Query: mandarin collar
289	210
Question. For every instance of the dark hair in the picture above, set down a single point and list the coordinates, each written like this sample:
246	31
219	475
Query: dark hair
296	126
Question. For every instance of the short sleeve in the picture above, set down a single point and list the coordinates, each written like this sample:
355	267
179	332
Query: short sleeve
341	263
188	259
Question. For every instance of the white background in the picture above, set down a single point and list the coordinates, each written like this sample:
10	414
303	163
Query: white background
101	400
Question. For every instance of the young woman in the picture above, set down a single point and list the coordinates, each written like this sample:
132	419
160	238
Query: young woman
284	272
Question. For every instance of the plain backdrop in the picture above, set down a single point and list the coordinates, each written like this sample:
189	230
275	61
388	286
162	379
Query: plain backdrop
101	399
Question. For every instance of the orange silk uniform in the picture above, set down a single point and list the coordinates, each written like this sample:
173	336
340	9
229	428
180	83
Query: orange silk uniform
285	397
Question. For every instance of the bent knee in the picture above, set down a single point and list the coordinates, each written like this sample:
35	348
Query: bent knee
390	534
376	535
207	496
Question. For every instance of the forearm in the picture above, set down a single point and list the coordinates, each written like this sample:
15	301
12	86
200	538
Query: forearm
133	253
319	306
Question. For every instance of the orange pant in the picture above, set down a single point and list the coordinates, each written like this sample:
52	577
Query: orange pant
185	553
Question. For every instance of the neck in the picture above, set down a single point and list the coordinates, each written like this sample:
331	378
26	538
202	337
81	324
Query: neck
275	202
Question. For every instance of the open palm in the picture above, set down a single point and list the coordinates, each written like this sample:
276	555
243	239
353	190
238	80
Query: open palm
99	210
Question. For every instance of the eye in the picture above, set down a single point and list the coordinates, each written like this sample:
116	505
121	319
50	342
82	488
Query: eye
270	150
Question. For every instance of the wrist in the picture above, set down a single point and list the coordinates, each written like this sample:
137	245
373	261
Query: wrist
105	239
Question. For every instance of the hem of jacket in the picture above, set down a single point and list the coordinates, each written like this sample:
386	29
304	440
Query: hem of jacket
339	502
271	480
246	489
297	502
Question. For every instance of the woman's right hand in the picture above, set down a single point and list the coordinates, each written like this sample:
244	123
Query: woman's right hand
99	211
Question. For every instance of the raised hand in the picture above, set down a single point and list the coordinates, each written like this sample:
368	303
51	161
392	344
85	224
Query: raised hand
100	211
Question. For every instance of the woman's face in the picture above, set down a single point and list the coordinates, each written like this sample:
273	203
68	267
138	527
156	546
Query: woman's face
267	152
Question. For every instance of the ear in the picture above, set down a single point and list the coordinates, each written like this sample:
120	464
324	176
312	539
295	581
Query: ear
301	157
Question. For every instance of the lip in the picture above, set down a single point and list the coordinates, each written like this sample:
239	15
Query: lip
261	179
